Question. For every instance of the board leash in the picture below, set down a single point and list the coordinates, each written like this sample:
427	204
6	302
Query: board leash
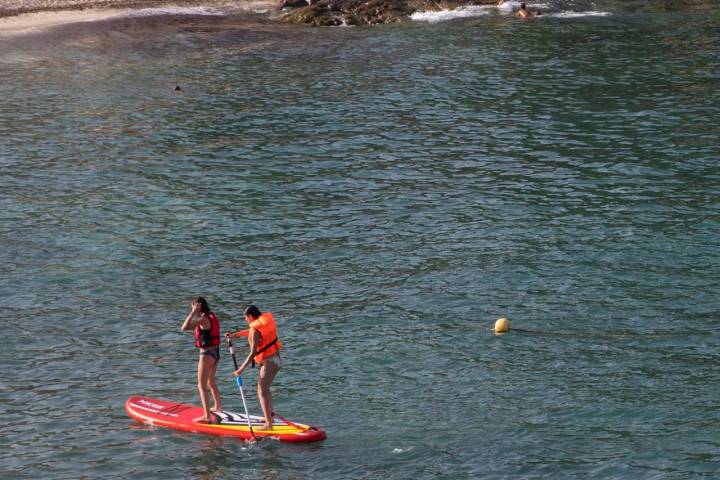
293	424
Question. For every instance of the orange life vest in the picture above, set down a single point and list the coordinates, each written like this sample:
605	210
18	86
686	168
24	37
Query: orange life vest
269	344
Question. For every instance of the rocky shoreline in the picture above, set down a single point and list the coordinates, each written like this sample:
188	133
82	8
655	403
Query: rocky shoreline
299	12
327	13
319	13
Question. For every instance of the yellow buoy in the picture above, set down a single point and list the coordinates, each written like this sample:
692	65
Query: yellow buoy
502	325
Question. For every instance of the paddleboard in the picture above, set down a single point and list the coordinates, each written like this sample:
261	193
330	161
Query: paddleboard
180	416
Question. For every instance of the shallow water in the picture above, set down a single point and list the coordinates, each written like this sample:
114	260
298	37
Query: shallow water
388	192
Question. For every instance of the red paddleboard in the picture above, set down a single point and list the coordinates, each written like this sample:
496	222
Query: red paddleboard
180	416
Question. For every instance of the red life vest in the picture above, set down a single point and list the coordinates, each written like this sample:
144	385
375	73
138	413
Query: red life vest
211	336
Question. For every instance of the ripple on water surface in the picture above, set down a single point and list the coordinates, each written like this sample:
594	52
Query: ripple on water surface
388	193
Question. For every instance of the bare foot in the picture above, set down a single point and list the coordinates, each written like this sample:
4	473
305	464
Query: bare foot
267	426
211	421
216	409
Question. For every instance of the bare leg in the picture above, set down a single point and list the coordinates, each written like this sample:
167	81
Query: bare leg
213	387
267	375
204	365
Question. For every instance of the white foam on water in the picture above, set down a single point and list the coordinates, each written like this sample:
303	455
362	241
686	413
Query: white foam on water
157	11
579	14
401	450
512	5
445	15
508	6
255	6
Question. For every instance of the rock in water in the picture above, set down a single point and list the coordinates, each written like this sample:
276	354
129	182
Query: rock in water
323	13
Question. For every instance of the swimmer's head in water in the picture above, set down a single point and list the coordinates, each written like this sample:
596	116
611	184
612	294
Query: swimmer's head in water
522	6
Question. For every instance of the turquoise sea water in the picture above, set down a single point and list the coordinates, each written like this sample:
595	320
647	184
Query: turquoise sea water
388	192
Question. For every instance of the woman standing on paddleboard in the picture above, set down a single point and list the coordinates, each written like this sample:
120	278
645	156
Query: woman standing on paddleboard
207	339
265	351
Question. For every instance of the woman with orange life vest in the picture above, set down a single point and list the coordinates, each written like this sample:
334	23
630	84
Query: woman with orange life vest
207	338
265	351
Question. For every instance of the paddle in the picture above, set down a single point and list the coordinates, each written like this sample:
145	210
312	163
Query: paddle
240	386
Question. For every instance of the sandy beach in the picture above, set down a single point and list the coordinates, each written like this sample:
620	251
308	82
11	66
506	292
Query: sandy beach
40	20
18	7
18	17
11	8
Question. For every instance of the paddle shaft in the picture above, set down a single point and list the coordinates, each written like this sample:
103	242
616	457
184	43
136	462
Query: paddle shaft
239	382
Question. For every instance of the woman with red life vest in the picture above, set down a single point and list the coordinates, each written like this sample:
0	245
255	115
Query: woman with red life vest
207	338
265	351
